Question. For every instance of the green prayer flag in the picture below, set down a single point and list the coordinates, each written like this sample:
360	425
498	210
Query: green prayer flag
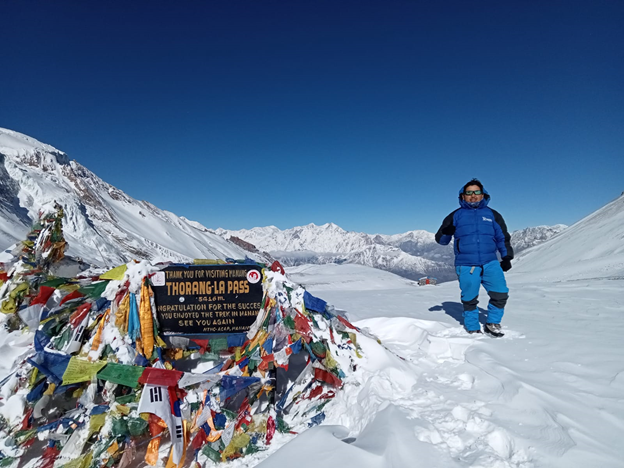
94	290
218	344
121	374
125	399
53	283
211	453
137	426
289	322
120	427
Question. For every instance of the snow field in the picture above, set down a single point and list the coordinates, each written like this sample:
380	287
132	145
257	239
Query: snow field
550	393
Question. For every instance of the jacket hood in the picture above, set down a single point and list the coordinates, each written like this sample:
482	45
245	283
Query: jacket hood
482	204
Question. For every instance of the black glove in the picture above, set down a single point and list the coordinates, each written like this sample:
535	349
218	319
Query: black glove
506	263
448	230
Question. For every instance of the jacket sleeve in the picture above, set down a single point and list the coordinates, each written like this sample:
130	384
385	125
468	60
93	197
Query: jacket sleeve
444	239
503	239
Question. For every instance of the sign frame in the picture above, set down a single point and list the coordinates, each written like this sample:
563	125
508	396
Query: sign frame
200	300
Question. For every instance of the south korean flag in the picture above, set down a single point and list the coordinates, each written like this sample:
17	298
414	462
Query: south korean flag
75	343
155	399
177	438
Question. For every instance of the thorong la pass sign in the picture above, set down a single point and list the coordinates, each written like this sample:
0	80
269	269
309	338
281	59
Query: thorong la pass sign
207	299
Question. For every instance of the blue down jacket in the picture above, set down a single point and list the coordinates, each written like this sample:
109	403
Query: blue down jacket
479	233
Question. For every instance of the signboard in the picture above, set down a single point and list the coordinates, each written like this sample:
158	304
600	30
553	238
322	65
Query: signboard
197	299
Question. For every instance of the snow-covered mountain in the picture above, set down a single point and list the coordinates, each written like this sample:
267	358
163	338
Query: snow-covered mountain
532	236
412	254
102	224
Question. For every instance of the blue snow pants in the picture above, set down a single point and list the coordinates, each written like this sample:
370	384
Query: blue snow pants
493	279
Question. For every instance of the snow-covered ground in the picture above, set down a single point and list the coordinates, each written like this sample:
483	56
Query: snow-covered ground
550	393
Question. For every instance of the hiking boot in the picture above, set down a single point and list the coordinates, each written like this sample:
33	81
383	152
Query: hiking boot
493	329
472	332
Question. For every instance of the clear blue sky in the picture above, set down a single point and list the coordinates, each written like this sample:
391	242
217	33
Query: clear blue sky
367	114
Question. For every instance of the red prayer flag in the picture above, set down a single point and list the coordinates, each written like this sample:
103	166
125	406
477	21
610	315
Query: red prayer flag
164	377
316	391
301	324
44	294
203	344
78	316
70	296
327	377
347	323
277	266
199	440
270	430
49	456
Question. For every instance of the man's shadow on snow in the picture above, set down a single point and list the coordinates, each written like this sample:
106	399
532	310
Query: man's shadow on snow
456	310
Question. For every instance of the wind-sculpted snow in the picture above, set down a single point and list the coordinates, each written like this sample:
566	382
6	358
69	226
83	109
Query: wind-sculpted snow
547	394
103	225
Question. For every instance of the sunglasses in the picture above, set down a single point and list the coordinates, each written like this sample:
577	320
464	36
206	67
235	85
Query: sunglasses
473	192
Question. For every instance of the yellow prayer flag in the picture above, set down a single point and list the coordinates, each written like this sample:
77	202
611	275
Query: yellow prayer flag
116	273
147	324
208	261
121	409
121	316
112	449
96	422
97	340
80	370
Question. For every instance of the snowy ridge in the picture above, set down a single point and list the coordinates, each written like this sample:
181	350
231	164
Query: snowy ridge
102	224
532	236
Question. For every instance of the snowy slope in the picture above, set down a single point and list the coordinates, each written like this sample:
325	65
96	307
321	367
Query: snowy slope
102	224
591	248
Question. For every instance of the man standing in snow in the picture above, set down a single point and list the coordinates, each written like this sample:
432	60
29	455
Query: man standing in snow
479	233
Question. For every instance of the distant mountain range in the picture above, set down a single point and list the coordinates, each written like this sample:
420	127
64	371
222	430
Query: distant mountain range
412	255
106	227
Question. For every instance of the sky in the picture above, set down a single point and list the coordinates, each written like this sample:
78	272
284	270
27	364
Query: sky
367	114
